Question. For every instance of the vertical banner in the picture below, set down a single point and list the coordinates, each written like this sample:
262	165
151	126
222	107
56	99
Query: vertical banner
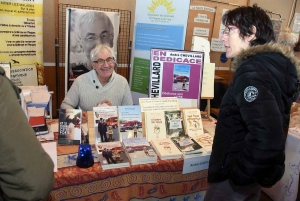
21	39
85	29
158	24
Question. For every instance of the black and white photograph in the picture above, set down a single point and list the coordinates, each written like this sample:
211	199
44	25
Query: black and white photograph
85	30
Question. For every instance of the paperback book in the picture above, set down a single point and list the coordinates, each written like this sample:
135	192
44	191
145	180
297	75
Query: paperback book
37	121
193	122
174	124
112	155
69	131
41	130
106	123
130	122
187	145
139	151
206	141
155	125
166	149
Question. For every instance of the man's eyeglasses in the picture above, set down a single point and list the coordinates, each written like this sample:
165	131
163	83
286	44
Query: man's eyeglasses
109	60
227	30
92	38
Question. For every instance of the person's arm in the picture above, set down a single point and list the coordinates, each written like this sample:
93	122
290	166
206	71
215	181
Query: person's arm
71	100
264	142
26	170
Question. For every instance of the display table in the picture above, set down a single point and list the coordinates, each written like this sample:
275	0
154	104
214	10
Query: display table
162	180
286	189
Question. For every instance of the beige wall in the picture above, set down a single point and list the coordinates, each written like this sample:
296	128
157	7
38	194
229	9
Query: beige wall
282	7
50	8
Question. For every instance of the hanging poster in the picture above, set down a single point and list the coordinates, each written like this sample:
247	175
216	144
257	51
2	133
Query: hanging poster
176	73
85	29
158	24
21	39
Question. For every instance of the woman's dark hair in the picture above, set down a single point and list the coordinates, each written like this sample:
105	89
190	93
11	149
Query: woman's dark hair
244	18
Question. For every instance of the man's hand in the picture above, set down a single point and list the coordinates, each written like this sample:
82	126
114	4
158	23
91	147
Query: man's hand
107	102
84	117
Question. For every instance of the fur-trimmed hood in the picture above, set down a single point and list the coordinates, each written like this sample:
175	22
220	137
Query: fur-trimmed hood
268	47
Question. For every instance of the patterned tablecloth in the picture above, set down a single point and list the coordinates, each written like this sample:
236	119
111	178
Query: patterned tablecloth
157	181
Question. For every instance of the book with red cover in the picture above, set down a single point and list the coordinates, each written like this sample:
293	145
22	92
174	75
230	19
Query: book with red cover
37	121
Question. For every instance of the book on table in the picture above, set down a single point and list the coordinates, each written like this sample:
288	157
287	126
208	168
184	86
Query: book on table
174	124
130	121
187	145
41	130
106	116
205	140
112	155
139	151
192	122
166	149
69	127
155	125
37	121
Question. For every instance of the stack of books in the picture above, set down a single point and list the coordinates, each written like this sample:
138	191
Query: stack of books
112	155
139	151
39	125
166	149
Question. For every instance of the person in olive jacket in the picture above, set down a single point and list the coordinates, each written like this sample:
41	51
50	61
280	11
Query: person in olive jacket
249	142
26	170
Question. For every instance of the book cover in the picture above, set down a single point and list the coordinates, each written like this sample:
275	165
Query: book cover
155	125
139	150
69	131
166	149
112	155
174	123
206	141
130	122
192	122
106	120
187	144
41	130
175	73
37	121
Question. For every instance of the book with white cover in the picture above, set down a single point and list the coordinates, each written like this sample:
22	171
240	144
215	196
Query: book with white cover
112	155
174	123
192	122
206	141
109	116
155	125
139	151
130	122
166	149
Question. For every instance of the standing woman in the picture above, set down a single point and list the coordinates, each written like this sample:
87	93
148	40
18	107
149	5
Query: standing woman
249	142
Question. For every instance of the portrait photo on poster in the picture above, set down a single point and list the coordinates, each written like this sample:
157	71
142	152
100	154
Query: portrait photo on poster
85	30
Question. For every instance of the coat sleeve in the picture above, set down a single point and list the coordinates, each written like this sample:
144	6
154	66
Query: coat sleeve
26	170
262	157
